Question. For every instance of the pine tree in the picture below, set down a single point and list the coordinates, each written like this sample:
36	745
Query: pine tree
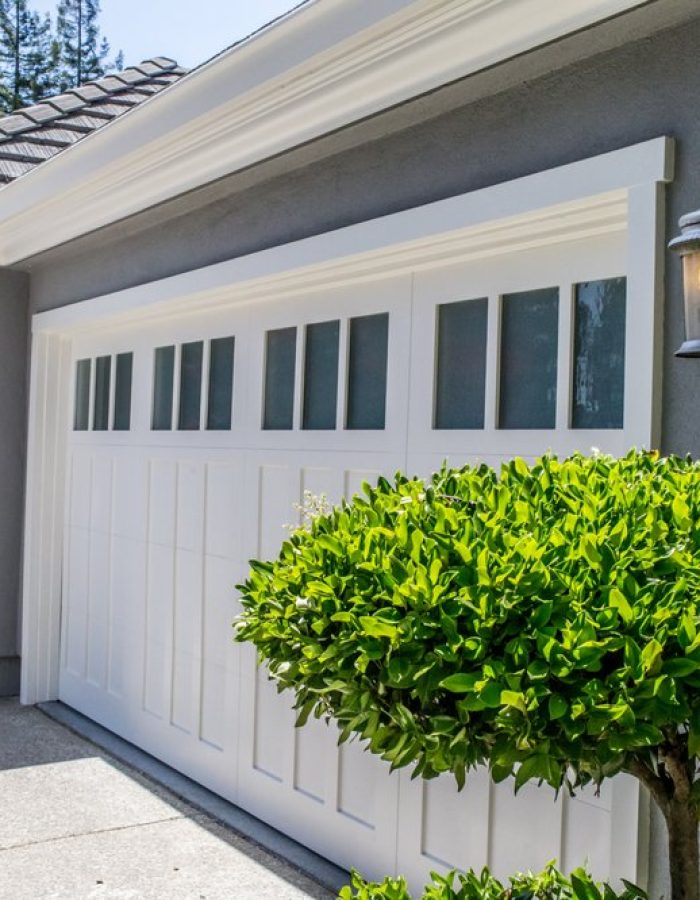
84	53
42	60
28	56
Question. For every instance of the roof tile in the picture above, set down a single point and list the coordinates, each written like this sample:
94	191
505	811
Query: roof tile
49	136
42	112
15	123
66	102
89	91
27	150
149	68
14	169
165	62
32	135
131	76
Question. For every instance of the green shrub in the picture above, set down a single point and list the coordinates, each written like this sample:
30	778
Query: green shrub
544	623
547	885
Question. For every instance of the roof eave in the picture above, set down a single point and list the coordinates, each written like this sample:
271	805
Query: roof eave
324	65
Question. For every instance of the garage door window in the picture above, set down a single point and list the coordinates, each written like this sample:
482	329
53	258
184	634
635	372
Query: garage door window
529	337
367	368
321	375
280	366
599	354
100	413
190	386
122	391
220	393
81	412
164	369
96	404
460	371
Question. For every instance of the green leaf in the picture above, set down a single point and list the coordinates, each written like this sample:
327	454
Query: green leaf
330	543
584	890
515	699
460	683
681	512
590	551
651	657
377	628
619	602
557	707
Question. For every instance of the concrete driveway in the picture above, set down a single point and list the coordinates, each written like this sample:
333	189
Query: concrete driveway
77	823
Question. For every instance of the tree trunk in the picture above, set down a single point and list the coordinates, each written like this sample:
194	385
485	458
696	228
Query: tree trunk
683	855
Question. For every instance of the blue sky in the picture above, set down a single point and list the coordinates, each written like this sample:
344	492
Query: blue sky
190	31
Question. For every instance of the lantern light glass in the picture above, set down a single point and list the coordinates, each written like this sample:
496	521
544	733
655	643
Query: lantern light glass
691	285
687	244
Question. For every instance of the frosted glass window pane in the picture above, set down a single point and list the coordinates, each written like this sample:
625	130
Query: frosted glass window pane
367	364
190	385
321	375
599	354
162	419
81	413
220	396
122	392
461	364
280	364
100	413
529	326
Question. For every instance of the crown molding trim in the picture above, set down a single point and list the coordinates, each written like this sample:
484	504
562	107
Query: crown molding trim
324	65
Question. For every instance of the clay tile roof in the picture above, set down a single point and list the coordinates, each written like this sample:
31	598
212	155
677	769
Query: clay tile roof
34	134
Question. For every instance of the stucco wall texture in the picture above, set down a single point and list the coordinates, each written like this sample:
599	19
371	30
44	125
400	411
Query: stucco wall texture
608	101
13	356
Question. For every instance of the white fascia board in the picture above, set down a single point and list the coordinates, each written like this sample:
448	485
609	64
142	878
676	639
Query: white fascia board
323	66
569	202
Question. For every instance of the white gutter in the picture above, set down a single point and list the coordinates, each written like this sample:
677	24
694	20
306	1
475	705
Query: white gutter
324	65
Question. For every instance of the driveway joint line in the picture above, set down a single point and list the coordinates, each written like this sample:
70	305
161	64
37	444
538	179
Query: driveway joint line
80	834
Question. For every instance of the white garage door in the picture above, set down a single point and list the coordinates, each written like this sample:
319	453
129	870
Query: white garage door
192	440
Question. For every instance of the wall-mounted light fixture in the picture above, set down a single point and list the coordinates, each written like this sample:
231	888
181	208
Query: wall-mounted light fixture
687	244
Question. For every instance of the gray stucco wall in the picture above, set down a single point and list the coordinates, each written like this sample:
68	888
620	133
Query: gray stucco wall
13	365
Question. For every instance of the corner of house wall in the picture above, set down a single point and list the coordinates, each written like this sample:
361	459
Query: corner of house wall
9	676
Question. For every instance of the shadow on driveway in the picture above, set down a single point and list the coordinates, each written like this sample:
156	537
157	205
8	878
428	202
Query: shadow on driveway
77	823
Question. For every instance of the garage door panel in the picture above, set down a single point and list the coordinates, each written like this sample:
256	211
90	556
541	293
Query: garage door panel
452	831
225	508
323	482
80	489
98	603
312	744
279	491
76	585
101	494
515	845
272	736
220	662
586	833
126	633
130	516
189	527
359	775
187	639
162	495
158	647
